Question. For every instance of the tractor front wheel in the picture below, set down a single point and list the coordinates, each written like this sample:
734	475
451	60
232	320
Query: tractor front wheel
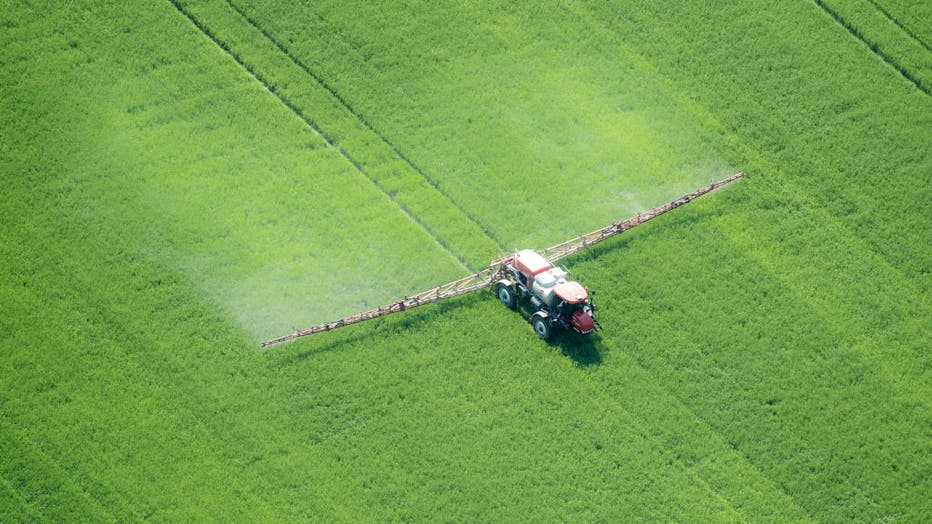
507	295
542	326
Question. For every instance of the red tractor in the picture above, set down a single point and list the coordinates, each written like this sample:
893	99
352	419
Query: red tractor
554	300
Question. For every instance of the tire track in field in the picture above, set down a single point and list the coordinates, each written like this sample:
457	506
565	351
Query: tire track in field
902	27
780	183
23	510
874	48
752	152
64	481
206	31
643	64
365	122
140	358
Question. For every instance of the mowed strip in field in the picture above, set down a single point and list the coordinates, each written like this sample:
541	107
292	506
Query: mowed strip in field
765	356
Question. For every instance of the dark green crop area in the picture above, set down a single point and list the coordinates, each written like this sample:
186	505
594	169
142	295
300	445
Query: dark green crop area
183	179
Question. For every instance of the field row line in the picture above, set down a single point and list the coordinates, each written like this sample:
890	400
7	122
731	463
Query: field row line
755	154
206	31
466	242
874	47
644	64
720	453
779	184
136	356
841	231
8	434
365	122
902	27
891	370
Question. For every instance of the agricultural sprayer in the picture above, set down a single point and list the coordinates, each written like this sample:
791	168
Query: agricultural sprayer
555	301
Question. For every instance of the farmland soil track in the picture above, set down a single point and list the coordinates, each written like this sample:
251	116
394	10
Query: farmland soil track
897	344
490	119
886	182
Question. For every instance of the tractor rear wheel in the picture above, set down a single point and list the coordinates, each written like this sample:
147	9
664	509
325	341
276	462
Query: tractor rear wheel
507	295
542	326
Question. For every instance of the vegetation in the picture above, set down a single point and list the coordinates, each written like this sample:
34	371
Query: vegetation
182	179
886	36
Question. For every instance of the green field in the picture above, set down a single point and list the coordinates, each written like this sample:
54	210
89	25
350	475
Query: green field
184	179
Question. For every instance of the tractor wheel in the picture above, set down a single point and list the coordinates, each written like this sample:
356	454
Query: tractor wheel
507	295
542	327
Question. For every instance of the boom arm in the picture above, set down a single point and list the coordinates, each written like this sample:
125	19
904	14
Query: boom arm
574	245
482	279
493	273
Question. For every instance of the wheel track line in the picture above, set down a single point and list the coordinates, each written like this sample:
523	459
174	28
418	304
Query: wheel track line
391	145
906	30
739	143
142	362
642	63
139	360
787	186
690	470
63	477
24	507
203	29
874	48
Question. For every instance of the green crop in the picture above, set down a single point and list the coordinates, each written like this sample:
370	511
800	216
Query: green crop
182	179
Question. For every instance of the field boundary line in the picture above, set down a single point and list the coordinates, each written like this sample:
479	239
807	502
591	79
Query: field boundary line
206	31
905	29
873	47
365	122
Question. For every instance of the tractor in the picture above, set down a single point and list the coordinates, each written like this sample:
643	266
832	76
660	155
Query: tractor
554	300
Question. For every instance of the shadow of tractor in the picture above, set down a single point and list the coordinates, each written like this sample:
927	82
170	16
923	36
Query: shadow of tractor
584	350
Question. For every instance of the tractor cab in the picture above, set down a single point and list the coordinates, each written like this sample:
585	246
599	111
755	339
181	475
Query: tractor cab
529	264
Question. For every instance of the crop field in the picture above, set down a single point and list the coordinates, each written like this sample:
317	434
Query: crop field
182	179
